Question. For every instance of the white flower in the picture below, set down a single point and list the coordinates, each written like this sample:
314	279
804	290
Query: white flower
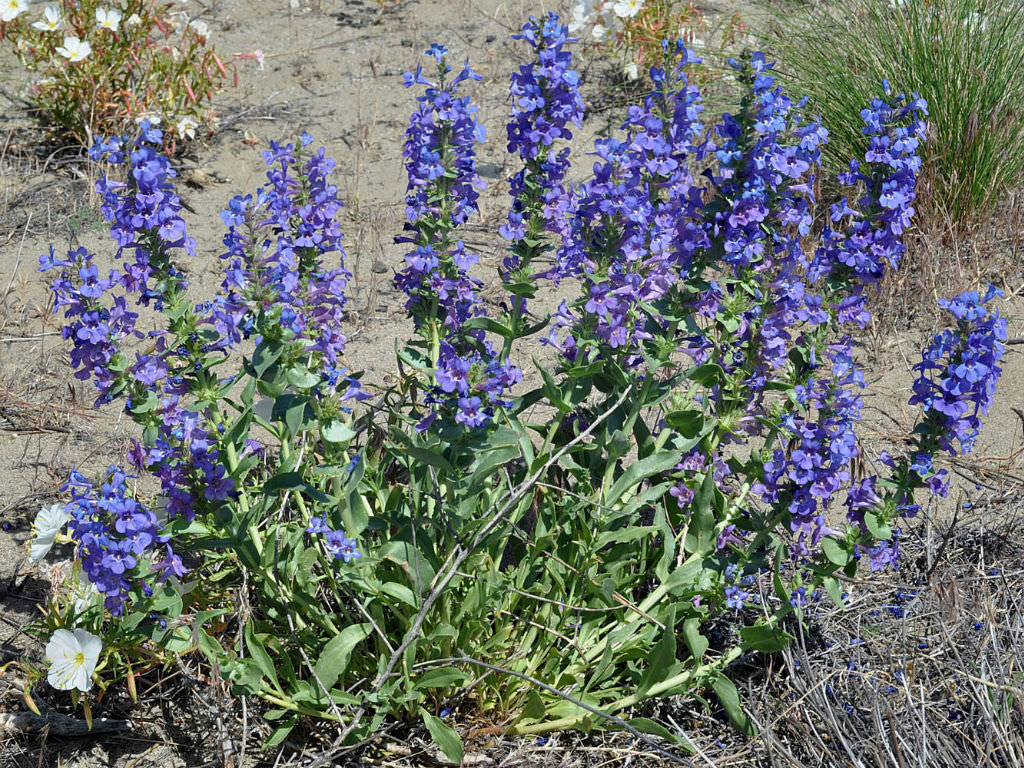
582	10
154	120
108	18
12	9
51	19
133	21
627	9
200	28
74	49
631	71
599	32
48	523
83	598
72	657
186	127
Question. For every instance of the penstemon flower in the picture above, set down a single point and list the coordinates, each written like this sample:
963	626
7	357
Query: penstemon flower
958	372
442	296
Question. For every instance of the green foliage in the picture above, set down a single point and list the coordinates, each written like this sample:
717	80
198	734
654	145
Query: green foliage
964	57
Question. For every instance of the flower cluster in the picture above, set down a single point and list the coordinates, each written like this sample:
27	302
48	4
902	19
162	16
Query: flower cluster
144	212
275	281
114	534
635	227
469	377
546	102
870	236
958	371
439	153
339	546
96	330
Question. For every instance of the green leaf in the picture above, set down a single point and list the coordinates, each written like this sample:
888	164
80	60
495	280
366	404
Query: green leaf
259	655
489	324
337	431
878	528
727	694
301	377
285	481
210	647
765	638
147	405
281	732
444	677
695	641
335	655
639	471
400	592
708	374
687	423
266	355
648	726
411	561
425	456
831	584
624	534
685	574
444	736
834	550
490	460
292	481
534	708
356	514
662	663
700	536
551	391
239	430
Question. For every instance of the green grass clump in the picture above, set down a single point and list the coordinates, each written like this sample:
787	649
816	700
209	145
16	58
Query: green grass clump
965	57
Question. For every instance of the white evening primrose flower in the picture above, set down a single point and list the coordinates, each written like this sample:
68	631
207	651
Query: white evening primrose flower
631	71
108	18
48	524
72	657
582	10
74	49
133	21
51	19
199	27
12	9
627	9
599	32
186	127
